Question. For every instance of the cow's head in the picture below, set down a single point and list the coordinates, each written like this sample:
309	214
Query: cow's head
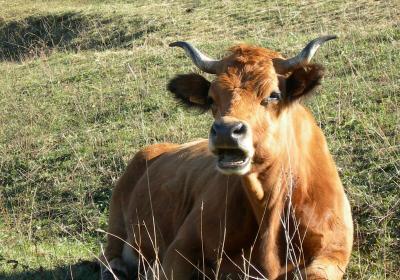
252	87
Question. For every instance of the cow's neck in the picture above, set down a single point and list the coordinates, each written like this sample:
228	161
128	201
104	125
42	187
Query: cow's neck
265	191
266	186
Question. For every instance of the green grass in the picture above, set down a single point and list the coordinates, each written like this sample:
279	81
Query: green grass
82	87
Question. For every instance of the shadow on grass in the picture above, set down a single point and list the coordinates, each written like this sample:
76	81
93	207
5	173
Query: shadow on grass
82	270
38	34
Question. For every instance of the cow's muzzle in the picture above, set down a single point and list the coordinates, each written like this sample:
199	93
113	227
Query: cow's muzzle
231	141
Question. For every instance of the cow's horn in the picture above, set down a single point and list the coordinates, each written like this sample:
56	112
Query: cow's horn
202	61
304	57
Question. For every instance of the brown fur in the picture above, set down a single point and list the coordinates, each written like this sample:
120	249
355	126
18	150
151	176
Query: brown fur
173	199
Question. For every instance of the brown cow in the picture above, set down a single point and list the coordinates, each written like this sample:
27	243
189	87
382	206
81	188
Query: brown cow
260	198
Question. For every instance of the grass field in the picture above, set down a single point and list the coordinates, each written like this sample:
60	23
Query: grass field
82	87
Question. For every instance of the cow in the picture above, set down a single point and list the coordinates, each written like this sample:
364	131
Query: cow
261	197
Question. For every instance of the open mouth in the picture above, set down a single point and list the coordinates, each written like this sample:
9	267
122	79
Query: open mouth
232	159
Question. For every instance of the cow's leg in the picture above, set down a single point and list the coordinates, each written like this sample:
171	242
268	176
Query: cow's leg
323	269
117	230
115	269
114	257
122	268
183	252
330	263
116	234
331	241
177	263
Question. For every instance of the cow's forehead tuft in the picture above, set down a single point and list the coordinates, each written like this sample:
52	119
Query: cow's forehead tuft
248	67
250	54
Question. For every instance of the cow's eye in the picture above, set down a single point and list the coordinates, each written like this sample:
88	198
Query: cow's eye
210	101
273	98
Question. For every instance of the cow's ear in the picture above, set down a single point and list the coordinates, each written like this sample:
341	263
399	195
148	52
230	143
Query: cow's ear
303	81
191	90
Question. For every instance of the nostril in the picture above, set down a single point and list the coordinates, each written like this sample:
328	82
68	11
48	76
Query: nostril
239	130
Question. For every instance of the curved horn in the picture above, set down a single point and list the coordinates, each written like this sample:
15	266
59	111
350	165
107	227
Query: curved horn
202	61
304	57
